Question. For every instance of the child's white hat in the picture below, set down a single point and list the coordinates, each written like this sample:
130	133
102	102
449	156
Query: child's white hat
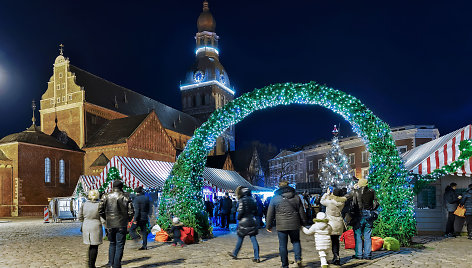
320	216
175	220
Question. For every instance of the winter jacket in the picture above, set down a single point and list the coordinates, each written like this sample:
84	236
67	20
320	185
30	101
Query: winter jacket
176	229
226	205
466	201
451	199
247	210
92	232
334	206
287	209
116	208
142	207
322	231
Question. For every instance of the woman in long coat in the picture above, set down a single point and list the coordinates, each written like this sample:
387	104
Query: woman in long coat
334	203
248	225
92	232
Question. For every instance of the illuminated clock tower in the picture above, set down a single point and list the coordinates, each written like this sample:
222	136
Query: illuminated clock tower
207	87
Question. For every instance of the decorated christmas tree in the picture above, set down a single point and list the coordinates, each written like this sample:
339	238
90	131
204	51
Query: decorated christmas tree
335	169
113	175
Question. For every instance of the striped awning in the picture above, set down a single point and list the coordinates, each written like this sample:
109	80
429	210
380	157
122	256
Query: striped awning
437	153
88	183
152	174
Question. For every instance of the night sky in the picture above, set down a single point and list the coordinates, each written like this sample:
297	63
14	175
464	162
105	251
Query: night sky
408	61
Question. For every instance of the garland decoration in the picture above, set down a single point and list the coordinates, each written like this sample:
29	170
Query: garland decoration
182	193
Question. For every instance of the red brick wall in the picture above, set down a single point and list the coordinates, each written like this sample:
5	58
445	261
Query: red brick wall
34	191
6	191
91	155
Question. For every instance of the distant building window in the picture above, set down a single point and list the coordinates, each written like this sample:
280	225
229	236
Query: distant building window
58	87
70	97
311	178
60	75
63	85
352	158
365	172
310	166
365	157
58	100
47	170
52	101
402	149
62	171
320	163
427	198
63	98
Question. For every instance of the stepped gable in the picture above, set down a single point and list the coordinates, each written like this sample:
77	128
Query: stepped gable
115	131
101	161
106	94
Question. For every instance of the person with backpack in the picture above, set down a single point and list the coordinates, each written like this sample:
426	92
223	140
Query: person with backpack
287	209
142	209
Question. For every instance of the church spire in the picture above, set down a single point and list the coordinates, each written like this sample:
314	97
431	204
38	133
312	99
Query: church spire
33	107
61	49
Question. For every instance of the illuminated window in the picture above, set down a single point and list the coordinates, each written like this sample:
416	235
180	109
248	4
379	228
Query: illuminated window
310	166
63	85
402	149
58	87
60	75
58	100
47	170
62	171
352	158
320	163
70	97
63	98
365	157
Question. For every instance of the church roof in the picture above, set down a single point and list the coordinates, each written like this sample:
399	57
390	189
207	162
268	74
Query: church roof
216	161
106	94
115	131
101	161
34	136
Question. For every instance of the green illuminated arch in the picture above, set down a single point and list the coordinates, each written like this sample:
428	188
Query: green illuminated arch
182	195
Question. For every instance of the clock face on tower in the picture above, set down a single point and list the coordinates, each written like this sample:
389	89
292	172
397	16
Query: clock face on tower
222	79
198	76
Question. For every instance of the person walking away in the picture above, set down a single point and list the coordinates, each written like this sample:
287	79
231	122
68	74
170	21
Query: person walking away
334	203
364	204
142	209
287	209
248	223
225	210
451	201
176	230
467	203
117	210
92	232
322	230
216	212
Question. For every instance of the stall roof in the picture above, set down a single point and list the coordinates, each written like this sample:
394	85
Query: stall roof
439	152
88	183
152	174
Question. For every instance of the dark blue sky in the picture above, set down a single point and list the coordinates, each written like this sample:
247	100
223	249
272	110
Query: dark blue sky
408	61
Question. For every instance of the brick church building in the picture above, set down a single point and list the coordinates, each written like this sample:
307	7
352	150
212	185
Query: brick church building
86	120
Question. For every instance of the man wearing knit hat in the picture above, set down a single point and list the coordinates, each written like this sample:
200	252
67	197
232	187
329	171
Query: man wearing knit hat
364	203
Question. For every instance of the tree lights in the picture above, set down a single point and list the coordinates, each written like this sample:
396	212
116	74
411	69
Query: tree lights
182	193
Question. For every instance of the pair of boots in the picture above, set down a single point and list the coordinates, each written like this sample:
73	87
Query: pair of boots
336	259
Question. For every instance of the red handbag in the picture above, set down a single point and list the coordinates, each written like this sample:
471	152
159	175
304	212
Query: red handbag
348	238
187	235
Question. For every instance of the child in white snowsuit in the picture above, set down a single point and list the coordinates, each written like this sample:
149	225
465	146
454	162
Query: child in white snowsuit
322	231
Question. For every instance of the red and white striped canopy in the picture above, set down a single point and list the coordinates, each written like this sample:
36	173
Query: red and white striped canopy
88	183
152	174
437	153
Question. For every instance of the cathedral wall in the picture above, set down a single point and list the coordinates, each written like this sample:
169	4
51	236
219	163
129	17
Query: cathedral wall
91	154
69	119
8	173
33	190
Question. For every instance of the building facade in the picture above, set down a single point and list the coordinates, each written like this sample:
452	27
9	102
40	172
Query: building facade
207	86
405	137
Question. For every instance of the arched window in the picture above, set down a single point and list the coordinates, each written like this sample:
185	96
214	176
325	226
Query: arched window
62	171
47	170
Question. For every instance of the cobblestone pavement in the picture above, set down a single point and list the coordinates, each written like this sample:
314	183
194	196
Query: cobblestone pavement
28	242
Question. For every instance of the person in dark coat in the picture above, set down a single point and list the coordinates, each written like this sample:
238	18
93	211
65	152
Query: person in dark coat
117	210
216	212
92	232
287	209
142	208
225	210
260	210
451	201
176	230
248	224
209	208
467	203
364	203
